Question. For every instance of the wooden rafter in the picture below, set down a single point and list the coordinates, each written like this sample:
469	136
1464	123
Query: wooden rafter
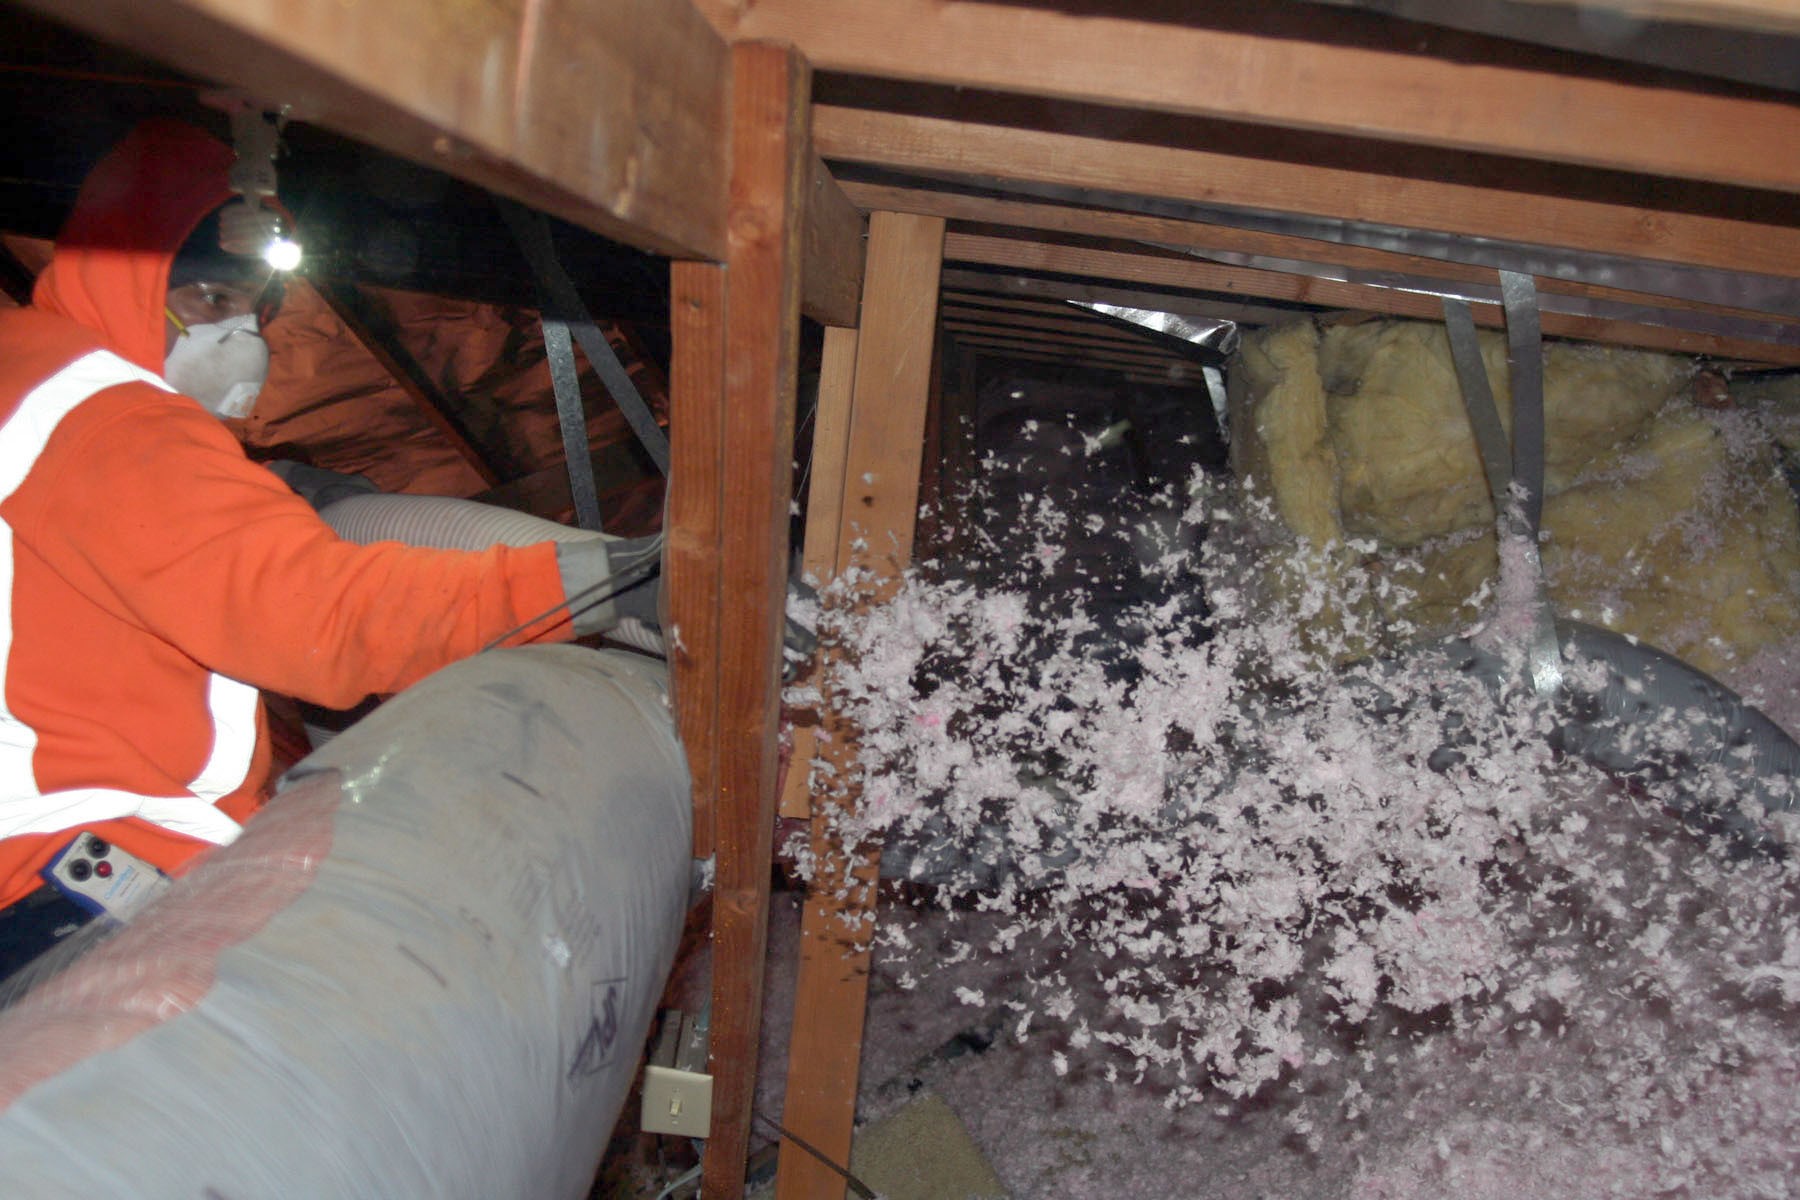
1775	15
1179	272
1284	78
831	252
977	150
1070	323
879	500
1025	330
1104	223
753	472
993	285
1076	363
1111	359
609	113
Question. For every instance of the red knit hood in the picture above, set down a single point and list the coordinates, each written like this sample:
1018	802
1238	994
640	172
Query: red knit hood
141	201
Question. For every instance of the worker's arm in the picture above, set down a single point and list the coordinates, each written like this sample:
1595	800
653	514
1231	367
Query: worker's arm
145	502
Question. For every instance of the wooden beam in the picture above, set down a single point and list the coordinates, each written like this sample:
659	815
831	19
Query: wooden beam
1186	304
832	252
1774	16
1284	78
1177	271
1103	223
697	448
1075	362
770	89
608	113
1074	342
371	325
824	516
1072	322
1202	176
1167	369
985	306
880	502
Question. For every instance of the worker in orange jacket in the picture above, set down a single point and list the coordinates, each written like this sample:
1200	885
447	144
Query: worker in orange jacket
153	579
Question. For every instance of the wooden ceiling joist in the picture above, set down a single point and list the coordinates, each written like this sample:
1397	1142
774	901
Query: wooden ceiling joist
992	285
1090	354
1105	223
1282	78
608	113
1072	363
976	150
1074	345
831	252
1174	271
1074	330
1781	16
1177	375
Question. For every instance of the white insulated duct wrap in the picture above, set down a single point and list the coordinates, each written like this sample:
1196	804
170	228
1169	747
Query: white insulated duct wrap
425	970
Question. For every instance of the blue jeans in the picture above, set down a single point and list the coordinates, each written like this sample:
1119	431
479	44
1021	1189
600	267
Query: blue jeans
29	927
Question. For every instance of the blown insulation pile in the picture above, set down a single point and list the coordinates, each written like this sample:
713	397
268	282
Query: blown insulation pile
1248	912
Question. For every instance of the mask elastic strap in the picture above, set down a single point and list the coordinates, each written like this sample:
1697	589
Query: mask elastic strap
180	327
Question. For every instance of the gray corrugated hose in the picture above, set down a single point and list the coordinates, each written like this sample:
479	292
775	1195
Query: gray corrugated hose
425	970
449	523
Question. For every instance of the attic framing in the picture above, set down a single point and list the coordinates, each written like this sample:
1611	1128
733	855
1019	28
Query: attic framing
694	128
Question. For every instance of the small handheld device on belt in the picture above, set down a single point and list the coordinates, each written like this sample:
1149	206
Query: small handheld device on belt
104	879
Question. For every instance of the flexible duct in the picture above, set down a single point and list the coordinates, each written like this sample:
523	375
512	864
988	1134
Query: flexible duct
425	970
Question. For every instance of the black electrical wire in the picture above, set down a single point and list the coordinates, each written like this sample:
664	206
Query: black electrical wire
863	1190
632	572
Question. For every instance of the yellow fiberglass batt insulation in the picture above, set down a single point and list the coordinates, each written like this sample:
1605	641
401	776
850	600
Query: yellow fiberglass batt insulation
1662	520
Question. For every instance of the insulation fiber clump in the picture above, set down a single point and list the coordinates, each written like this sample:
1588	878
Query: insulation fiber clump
1383	911
1662	519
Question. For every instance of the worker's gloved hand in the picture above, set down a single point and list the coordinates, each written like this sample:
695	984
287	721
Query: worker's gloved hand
319	487
606	580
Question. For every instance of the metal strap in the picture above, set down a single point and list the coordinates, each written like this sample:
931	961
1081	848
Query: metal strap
571	416
1478	400
1525	354
1517	516
561	302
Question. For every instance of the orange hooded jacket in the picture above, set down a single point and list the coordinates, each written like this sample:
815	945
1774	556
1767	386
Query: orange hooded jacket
152	578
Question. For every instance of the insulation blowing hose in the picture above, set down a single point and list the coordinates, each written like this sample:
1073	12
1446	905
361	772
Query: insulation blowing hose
449	523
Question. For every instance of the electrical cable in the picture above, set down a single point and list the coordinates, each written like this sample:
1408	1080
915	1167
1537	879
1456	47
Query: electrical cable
633	569
863	1190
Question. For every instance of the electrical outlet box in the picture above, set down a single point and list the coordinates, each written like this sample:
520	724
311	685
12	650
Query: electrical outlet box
677	1089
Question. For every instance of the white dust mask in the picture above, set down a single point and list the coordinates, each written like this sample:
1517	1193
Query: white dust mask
222	365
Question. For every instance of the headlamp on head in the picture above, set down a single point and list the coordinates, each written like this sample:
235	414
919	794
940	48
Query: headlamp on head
249	226
253	231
